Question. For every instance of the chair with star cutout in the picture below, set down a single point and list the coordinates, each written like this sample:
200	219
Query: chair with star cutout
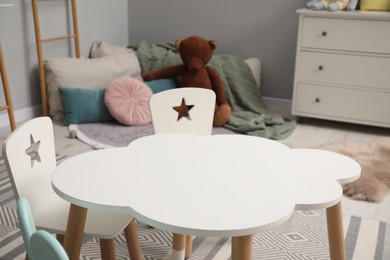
183	110
30	158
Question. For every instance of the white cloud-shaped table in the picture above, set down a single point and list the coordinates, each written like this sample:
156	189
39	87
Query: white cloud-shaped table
221	185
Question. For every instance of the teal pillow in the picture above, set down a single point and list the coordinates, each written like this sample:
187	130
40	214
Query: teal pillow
84	106
159	85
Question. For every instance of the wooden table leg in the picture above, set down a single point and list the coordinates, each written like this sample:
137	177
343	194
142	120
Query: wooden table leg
334	218
107	249
74	231
188	246
242	248
132	241
178	247
60	238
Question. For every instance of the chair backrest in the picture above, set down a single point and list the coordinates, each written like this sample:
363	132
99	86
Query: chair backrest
26	223
45	246
183	110
29	155
40	245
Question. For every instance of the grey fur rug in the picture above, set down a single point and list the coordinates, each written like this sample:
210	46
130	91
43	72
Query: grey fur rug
374	158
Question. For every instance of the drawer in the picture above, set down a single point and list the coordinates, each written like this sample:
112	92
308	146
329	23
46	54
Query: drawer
345	104
354	70
346	34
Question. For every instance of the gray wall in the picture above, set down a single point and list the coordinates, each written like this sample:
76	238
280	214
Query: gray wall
263	28
98	19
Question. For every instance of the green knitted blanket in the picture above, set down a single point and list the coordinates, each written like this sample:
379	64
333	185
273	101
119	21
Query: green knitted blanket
249	115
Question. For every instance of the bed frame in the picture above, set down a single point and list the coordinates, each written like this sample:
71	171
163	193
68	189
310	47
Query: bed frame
39	42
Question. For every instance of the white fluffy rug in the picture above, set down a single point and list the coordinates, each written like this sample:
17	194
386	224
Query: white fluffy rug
374	158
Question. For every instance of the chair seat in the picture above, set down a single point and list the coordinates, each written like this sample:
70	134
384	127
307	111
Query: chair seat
52	216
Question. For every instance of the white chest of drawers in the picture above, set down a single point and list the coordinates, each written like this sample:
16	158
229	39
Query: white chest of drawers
342	69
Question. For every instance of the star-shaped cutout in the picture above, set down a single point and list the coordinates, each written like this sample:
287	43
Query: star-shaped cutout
183	110
32	151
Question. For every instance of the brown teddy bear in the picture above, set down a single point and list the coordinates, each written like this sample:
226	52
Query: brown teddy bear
195	53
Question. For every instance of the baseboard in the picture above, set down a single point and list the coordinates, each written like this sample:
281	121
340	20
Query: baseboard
278	103
31	112
21	115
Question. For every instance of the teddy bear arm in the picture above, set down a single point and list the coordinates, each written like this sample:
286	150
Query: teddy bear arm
167	72
217	85
222	109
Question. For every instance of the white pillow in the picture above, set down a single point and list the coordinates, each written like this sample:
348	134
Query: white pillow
255	66
101	49
85	73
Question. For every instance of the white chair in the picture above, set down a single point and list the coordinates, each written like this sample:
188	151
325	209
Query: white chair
166	106
29	154
183	110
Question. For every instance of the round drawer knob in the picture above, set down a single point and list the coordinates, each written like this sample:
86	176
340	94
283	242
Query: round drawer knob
324	33
317	100
320	67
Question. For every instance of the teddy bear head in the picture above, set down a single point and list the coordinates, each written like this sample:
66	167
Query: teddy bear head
195	52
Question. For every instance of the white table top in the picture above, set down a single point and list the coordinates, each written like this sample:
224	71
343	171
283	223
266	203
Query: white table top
220	185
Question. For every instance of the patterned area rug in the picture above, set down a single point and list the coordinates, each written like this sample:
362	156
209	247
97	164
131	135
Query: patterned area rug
304	236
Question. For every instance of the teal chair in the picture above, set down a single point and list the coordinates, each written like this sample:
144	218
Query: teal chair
40	245
45	246
26	223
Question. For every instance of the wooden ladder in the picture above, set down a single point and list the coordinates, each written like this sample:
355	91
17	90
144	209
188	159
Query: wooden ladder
39	42
7	94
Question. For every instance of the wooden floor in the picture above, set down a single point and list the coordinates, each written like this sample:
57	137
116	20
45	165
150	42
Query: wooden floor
311	133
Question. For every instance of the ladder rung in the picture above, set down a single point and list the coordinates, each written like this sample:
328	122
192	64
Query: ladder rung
4	108
58	38
72	35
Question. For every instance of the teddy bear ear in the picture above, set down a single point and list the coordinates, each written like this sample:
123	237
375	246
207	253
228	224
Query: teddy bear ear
177	44
213	44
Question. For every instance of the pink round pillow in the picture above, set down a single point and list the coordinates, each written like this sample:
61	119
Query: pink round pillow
127	99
